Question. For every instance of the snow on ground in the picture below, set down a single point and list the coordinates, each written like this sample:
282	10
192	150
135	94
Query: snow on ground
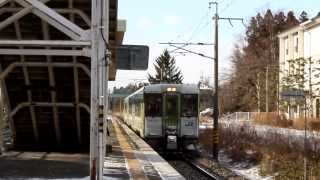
207	111
85	178
263	129
245	169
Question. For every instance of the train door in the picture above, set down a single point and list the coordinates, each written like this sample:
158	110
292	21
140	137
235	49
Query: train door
171	119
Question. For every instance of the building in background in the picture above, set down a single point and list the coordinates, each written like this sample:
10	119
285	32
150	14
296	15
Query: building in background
299	65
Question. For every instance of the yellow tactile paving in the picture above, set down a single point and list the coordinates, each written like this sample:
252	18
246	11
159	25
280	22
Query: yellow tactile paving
135	167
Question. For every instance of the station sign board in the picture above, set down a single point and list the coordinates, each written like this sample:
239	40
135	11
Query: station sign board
132	57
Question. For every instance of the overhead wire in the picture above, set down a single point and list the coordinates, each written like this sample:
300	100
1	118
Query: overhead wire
194	28
192	52
200	28
227	6
202	24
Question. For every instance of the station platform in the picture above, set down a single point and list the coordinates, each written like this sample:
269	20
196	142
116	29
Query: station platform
132	158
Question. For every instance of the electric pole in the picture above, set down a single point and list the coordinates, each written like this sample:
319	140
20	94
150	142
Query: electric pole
215	133
267	91
258	92
215	91
310	88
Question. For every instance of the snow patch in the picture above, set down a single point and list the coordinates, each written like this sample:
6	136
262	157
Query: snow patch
244	168
206	112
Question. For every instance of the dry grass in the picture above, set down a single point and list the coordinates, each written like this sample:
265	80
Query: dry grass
272	119
312	123
276	153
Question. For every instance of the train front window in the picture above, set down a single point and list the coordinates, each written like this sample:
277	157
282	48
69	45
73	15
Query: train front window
153	105
189	105
171	105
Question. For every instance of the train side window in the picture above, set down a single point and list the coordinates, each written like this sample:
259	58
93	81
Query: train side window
189	105
153	105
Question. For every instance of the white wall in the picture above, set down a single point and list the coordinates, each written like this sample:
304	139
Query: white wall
308	40
312	49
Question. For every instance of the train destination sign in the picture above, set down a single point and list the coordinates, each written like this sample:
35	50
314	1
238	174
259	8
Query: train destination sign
132	57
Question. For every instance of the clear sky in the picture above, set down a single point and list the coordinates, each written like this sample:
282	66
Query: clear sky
150	22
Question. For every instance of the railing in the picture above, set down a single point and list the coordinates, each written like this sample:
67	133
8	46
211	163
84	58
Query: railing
247	116
238	116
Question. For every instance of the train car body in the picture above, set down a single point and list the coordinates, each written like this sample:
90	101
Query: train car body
165	115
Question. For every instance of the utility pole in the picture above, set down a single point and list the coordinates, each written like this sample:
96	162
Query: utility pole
267	90
278	97
258	92
310	88
305	163
215	149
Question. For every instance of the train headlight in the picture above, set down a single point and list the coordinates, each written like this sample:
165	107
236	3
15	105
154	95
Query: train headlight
172	89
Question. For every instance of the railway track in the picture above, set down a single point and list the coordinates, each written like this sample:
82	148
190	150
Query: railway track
209	175
190	170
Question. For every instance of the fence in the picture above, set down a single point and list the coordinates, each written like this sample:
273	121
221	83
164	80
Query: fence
248	116
238	116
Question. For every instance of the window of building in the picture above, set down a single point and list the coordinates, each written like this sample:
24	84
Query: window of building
295	42
286	45
317	108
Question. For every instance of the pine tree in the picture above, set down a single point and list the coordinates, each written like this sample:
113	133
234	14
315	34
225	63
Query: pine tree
166	70
303	16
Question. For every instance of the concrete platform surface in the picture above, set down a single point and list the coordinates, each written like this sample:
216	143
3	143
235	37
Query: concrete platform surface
132	158
43	165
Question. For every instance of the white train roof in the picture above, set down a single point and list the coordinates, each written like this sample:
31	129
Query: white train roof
139	91
182	88
160	88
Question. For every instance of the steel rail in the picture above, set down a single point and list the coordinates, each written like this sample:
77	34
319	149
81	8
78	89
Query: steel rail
201	170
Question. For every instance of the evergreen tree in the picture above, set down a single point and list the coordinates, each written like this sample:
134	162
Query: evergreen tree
291	20
250	59
166	70
303	17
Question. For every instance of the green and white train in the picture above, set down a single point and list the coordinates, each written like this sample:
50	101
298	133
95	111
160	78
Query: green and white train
165	115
